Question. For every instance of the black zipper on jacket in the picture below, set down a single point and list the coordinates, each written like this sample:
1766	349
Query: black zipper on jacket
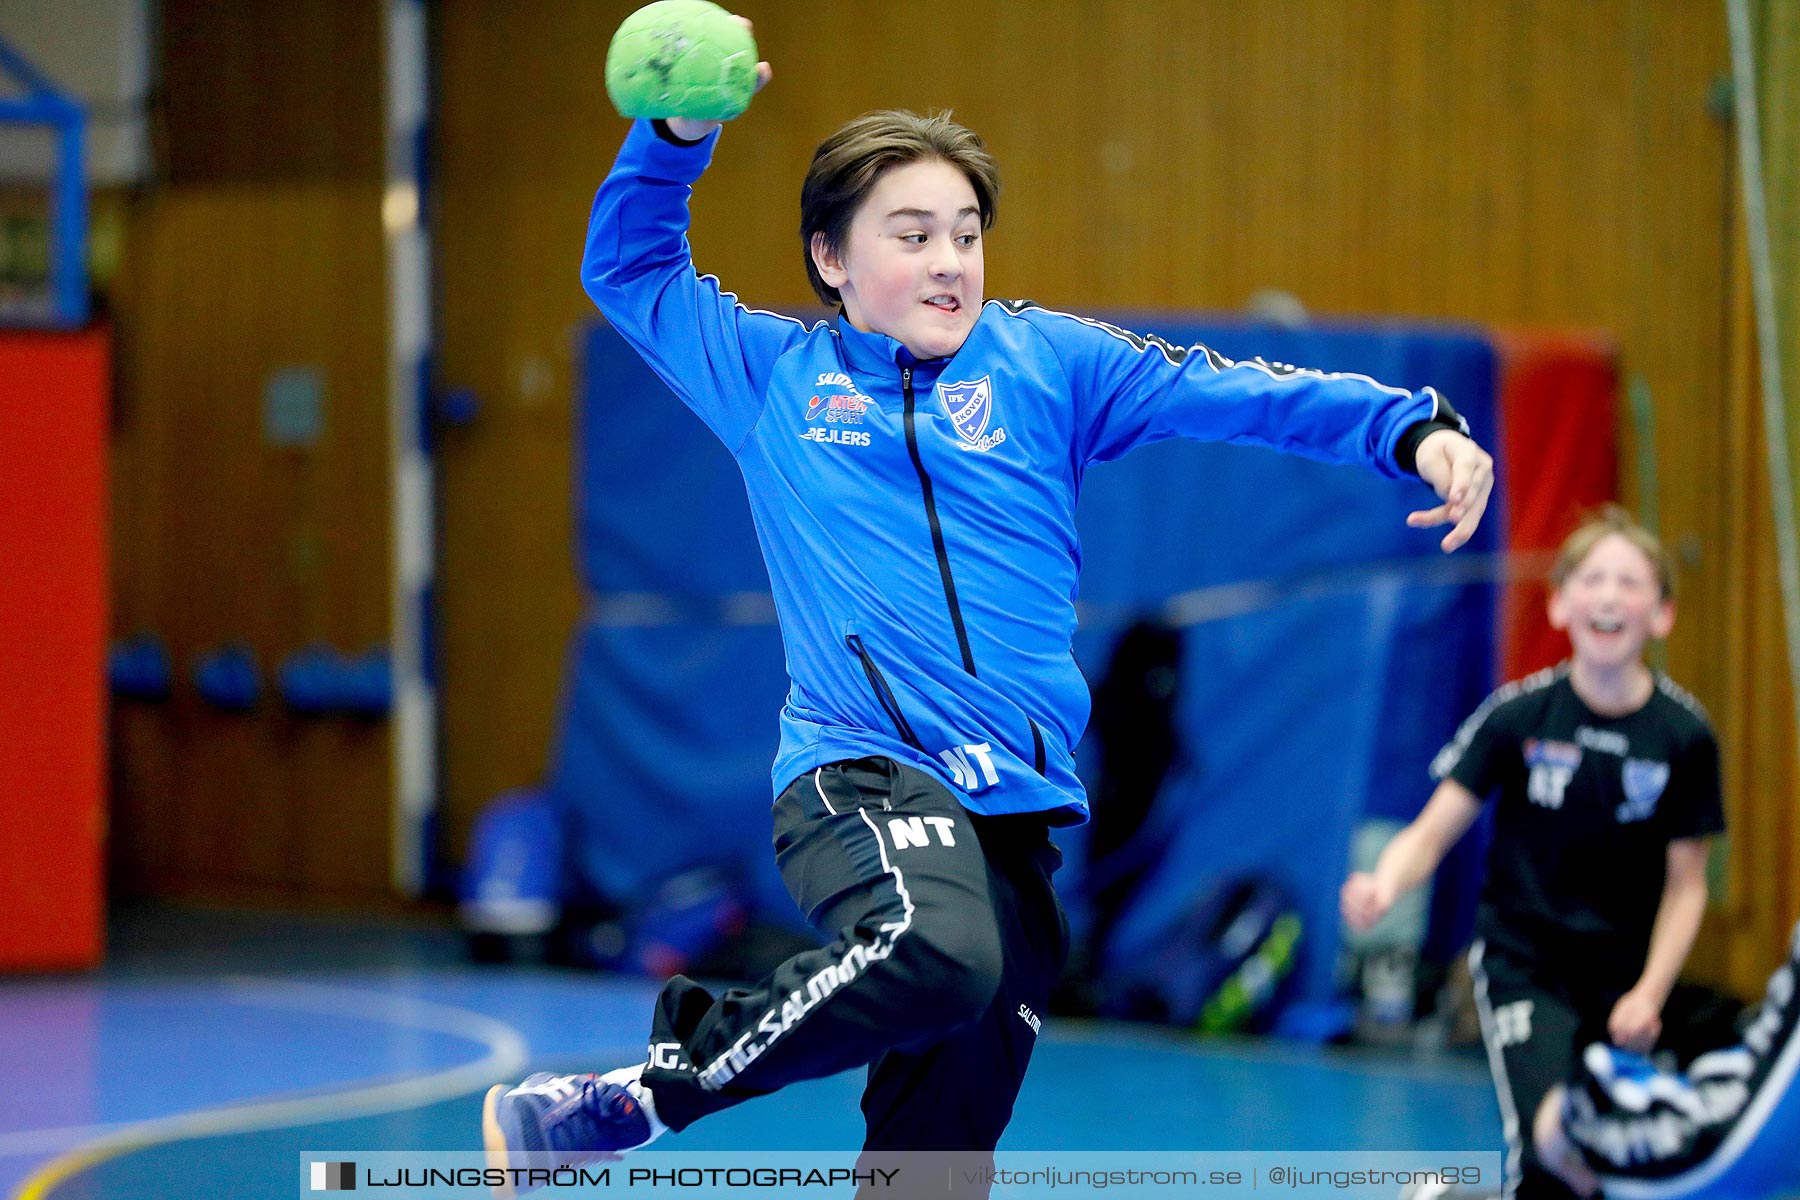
1037	746
937	531
884	694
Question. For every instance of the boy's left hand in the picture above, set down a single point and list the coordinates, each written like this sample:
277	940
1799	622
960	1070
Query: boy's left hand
1462	474
1635	1023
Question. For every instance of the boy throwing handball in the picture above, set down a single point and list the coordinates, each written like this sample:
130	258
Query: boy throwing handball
912	467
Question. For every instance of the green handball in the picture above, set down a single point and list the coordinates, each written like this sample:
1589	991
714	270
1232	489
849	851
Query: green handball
681	58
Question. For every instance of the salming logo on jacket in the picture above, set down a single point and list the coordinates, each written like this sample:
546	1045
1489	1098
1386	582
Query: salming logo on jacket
918	517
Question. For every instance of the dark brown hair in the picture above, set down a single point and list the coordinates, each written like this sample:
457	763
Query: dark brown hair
847	164
1609	520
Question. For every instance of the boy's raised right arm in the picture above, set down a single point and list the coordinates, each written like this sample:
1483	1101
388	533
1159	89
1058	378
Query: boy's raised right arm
637	267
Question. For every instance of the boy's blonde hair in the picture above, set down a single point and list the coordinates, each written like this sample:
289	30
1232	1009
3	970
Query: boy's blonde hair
847	164
1609	520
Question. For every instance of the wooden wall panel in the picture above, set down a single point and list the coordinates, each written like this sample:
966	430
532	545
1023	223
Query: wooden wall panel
1778	45
1763	770
1761	898
1523	162
260	248
220	537
270	92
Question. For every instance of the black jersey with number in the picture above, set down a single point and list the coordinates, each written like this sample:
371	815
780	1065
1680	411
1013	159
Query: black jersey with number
1587	807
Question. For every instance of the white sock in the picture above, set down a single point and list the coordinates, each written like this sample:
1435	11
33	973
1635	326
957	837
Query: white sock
628	1078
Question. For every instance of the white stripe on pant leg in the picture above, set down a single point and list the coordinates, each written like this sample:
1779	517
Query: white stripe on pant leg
821	790
741	1053
1490	1035
899	927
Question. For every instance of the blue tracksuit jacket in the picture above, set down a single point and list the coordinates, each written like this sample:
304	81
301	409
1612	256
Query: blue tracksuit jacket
918	517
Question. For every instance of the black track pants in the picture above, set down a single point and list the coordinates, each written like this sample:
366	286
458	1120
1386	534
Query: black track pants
946	938
1535	1021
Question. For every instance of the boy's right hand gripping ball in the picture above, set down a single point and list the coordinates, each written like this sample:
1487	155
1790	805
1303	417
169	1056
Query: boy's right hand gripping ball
681	58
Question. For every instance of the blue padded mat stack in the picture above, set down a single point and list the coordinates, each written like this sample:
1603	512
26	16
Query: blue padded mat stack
1315	696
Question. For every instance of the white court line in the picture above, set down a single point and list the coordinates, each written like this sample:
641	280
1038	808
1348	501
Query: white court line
507	1052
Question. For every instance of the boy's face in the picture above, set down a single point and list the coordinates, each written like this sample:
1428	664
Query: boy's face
1611	605
910	266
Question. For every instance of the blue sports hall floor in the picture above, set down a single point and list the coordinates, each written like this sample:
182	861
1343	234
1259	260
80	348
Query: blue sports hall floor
214	1048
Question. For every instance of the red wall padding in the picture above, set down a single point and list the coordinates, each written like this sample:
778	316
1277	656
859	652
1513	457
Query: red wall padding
53	633
1559	455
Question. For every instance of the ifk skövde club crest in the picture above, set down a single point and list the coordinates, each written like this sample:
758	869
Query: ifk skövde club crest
1644	783
969	407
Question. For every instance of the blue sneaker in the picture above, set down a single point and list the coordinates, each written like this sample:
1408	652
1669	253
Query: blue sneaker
555	1120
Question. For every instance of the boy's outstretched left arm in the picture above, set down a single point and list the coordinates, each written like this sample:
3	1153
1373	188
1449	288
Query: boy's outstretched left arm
1462	474
1132	389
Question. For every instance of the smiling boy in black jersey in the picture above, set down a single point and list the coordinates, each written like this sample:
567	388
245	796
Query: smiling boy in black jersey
1608	781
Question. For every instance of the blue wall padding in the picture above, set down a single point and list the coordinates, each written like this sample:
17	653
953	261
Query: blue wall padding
1283	720
1178	516
662	761
1323	704
660	505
